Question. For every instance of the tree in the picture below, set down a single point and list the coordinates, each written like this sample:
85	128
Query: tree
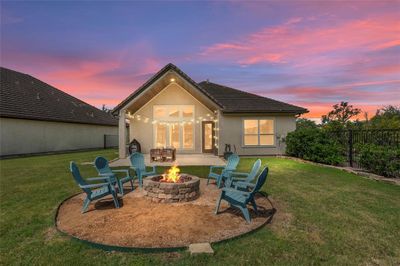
305	123
386	117
341	113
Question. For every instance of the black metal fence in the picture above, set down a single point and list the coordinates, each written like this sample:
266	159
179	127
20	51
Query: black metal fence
351	140
110	141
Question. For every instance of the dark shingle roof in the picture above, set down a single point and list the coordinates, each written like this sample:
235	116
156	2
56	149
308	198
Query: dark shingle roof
23	96
236	101
228	99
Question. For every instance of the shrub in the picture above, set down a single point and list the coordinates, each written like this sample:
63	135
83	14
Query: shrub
315	145
381	160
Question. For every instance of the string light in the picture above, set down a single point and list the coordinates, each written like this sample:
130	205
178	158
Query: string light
155	121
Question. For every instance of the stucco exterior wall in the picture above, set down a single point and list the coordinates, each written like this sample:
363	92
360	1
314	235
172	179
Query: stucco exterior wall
21	136
231	132
171	95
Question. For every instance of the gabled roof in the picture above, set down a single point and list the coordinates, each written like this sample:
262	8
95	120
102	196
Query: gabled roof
237	101
228	100
153	79
23	96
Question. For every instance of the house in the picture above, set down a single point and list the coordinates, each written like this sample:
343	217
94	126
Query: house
37	118
172	110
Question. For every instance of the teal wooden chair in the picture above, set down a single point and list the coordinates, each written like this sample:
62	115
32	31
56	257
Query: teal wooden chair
137	164
240	199
94	191
102	167
242	180
233	161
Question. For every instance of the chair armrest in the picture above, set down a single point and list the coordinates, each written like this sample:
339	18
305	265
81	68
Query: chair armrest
239	174
94	185
244	193
106	174
120	171
98	178
238	179
244	184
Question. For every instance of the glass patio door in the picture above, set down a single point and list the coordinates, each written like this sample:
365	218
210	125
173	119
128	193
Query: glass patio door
208	136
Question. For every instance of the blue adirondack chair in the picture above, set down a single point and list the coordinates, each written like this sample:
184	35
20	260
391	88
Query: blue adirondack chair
240	199
137	163
102	167
240	179
233	161
94	191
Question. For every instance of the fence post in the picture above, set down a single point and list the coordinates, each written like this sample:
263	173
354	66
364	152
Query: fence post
351	147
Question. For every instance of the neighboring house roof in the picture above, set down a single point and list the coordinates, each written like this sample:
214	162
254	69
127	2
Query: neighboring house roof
25	97
237	101
228	99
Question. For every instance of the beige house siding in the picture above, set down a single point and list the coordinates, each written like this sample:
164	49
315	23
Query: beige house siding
231	132
173	94
21	136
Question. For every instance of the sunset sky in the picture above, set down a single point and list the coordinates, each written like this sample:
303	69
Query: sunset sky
312	54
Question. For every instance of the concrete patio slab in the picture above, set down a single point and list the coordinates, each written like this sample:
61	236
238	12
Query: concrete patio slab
181	159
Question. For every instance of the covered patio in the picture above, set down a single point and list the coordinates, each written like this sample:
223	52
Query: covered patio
181	160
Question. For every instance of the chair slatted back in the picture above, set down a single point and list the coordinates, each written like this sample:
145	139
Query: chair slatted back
233	161
137	161
254	171
78	177
260	181
102	166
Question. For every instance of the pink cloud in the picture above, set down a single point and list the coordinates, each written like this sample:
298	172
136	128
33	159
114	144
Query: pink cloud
290	43
104	80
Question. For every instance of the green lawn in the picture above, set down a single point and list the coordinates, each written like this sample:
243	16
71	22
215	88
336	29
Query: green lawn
325	216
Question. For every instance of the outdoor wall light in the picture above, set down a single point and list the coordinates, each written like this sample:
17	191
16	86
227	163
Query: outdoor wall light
172	80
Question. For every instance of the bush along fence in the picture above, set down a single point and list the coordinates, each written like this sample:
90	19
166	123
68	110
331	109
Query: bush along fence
375	150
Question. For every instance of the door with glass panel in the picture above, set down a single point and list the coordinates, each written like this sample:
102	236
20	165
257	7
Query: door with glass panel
208	136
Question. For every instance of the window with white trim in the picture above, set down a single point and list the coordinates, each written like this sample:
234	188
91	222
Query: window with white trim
258	132
174	127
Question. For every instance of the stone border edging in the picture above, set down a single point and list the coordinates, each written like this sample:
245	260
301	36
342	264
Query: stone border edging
364	174
106	247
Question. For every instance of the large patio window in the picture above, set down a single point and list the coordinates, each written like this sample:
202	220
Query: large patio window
174	127
258	132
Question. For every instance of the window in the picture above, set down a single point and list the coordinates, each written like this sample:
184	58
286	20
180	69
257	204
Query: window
161	135
188	136
174	127
174	135
258	132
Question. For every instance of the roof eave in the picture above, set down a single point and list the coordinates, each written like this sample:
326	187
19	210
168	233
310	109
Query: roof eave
295	112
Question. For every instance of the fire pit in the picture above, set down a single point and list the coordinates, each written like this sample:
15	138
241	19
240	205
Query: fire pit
172	187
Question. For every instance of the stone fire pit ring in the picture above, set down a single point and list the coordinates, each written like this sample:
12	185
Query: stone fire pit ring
168	192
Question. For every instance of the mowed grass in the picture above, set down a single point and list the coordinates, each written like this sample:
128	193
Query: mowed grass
324	216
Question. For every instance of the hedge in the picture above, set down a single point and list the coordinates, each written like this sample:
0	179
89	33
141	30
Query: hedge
315	145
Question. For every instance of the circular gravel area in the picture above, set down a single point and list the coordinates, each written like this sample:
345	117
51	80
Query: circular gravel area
142	223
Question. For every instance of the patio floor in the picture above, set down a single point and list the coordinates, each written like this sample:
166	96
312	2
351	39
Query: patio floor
181	159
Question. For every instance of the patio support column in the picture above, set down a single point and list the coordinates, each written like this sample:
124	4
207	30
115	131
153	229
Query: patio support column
122	134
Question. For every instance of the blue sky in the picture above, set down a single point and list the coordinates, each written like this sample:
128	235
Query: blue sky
310	53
